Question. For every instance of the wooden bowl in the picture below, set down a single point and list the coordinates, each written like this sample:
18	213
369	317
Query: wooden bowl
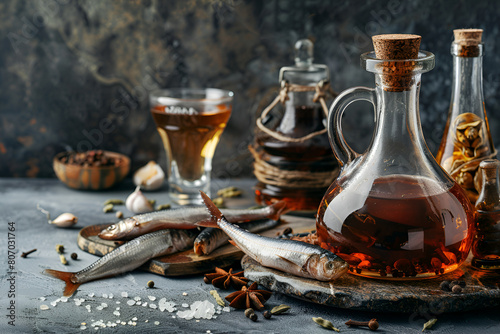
91	177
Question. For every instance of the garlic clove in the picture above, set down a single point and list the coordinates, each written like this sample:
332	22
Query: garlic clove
138	203
150	176
64	220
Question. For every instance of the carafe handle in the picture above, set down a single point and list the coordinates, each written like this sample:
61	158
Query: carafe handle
343	152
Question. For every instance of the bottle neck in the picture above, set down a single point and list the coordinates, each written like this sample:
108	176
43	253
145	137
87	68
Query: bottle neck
467	89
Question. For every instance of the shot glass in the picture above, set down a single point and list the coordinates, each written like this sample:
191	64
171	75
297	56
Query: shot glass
190	123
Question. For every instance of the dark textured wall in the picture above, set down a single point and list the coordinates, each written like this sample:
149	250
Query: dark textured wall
77	73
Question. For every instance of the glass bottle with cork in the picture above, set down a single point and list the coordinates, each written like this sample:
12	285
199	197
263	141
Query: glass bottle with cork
293	158
486	244
466	140
393	212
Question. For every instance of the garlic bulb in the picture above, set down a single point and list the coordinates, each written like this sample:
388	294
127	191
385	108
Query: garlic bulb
138	203
149	177
65	220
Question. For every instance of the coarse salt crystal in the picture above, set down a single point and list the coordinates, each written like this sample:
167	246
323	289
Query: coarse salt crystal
153	306
91	295
110	296
185	305
130	302
44	307
138	302
157	323
64	299
117	302
124	294
42	298
53	303
144	304
184	293
104	295
152	298
226	309
134	319
116	313
104	305
137	298
99	308
123	323
82	327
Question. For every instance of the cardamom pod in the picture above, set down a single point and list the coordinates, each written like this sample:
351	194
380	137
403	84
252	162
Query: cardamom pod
108	208
63	259
325	324
280	309
429	324
163	207
218	298
229	192
113	201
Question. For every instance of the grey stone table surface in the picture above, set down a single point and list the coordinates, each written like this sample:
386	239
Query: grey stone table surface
23	289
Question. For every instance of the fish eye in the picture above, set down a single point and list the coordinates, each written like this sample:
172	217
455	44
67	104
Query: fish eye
112	227
329	265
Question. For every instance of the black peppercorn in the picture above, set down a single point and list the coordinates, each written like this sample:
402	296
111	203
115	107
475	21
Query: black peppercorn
445	286
456	289
74	256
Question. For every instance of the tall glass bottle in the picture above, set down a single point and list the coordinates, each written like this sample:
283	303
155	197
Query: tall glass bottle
293	158
466	140
486	244
393	212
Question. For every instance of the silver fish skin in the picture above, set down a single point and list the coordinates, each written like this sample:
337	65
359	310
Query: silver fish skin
212	238
291	256
128	256
184	218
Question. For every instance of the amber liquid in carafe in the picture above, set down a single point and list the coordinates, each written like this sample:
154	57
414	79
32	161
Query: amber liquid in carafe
405	227
486	244
189	139
313	155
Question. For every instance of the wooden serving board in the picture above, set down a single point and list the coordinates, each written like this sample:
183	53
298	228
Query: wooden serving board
187	262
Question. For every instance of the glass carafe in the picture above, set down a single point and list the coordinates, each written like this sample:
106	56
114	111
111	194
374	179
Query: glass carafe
393	212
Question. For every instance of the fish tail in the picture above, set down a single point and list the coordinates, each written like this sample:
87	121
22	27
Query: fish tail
278	209
212	208
70	287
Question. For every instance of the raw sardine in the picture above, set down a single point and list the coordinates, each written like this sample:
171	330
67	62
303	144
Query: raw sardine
212	238
184	218
294	257
127	257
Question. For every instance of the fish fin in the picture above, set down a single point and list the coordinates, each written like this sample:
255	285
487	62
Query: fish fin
234	244
207	223
289	261
278	209
70	287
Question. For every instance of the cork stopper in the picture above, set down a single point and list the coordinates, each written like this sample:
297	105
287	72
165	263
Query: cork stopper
396	46
468	36
397	76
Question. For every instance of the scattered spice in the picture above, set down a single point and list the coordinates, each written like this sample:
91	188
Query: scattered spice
114	202
249	297
456	289
219	202
152	202
59	249
163	207
223	279
119	214
372	324
445	286
253	317
218	298
63	220
150	284
267	315
280	309
325	324
248	312
25	254
108	208
286	231
429	324
63	259
229	192
74	256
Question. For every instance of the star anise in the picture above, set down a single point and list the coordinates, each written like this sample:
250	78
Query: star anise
223	279
249	297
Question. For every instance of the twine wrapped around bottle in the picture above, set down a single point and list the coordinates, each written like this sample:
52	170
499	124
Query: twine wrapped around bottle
272	175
